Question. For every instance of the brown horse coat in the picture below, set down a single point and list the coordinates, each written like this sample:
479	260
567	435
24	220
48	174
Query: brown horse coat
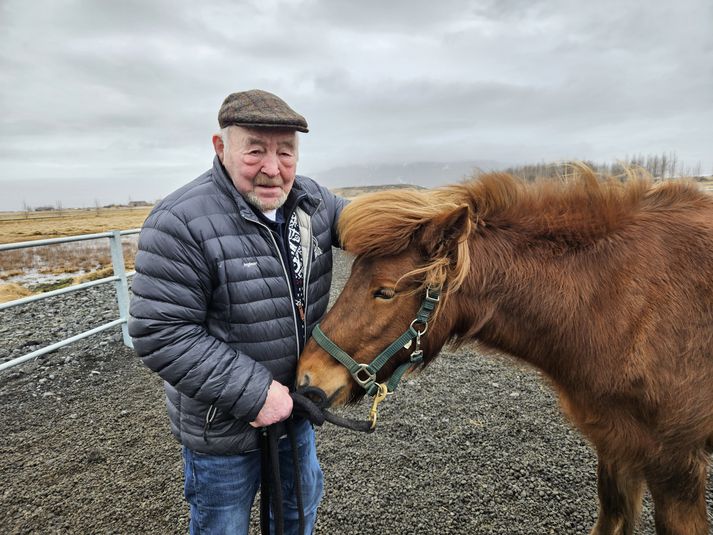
604	285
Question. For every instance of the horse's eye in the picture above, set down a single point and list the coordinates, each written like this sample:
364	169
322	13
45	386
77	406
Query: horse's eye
384	293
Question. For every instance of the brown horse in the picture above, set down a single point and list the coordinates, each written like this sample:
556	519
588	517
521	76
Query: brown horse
605	285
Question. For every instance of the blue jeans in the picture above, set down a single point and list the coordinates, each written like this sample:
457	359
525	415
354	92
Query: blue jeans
220	489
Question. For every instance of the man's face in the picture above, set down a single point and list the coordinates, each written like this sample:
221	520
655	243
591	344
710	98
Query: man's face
261	162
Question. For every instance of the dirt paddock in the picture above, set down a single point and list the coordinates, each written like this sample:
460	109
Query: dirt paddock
474	445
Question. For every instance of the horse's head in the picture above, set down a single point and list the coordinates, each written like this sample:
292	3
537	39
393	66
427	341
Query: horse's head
404	262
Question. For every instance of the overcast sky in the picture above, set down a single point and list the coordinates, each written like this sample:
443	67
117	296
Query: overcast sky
109	100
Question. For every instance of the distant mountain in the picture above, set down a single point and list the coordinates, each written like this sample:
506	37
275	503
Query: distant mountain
426	174
353	191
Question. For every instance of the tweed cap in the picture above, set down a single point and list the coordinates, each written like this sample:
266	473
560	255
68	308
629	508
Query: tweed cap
259	109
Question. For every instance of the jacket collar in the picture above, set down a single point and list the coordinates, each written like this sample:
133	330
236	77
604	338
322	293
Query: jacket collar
298	196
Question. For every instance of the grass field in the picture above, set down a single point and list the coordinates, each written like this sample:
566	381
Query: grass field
15	227
38	269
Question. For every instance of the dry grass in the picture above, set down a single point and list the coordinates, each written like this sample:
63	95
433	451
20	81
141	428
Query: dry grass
94	275
92	259
64	257
14	228
10	292
351	192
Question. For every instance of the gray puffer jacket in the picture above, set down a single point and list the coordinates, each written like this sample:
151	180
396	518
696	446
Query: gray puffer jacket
212	311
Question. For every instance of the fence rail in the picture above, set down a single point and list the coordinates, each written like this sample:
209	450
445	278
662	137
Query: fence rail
120	280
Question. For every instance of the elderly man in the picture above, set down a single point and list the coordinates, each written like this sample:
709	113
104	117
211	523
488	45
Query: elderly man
233	271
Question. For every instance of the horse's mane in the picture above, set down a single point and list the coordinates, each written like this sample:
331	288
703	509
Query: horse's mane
573	211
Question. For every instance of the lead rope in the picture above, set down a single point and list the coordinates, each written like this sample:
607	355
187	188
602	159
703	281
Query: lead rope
270	481
270	485
297	472
264	481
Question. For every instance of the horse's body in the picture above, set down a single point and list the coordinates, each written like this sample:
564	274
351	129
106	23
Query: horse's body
605	286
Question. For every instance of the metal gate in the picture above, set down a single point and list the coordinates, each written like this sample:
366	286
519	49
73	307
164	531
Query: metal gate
120	280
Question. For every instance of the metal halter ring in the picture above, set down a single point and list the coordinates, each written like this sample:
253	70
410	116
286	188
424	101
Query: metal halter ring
370	376
425	326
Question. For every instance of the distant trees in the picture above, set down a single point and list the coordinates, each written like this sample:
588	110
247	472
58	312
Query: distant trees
663	166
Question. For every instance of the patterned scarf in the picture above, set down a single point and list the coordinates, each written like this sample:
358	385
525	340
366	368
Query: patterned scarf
295	246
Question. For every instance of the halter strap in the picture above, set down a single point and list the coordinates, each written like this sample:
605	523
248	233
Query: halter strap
365	374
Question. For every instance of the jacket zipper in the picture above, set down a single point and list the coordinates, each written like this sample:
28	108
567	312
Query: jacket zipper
289	284
209	417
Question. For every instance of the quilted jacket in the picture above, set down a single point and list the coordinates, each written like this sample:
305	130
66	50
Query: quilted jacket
212	310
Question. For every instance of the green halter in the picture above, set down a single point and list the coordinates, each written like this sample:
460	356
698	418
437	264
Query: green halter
365	374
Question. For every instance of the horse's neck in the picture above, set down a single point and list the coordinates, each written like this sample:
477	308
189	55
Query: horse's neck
534	310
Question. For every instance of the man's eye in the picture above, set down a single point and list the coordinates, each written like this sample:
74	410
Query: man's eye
384	293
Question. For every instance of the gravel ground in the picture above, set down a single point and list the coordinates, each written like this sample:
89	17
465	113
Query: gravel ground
474	445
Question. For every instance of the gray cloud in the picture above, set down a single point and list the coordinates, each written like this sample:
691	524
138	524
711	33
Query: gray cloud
130	90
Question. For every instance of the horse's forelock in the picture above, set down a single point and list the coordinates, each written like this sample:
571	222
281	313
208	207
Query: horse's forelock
385	223
388	222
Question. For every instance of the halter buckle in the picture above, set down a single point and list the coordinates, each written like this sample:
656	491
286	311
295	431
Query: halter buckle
437	297
364	376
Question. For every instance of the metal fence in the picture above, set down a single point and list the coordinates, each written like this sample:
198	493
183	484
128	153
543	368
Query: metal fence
120	280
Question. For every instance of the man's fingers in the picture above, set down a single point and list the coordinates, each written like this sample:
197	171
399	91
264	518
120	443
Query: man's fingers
277	406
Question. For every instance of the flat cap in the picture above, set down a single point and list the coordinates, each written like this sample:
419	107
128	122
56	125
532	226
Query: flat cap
259	109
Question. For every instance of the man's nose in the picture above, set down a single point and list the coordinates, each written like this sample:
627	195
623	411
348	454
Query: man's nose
269	165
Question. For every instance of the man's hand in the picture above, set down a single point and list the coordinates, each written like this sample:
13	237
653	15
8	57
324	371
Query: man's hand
277	407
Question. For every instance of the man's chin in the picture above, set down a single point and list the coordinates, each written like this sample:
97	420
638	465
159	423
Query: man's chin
265	204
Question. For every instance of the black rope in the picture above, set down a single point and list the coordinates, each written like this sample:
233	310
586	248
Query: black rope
270	482
296	470
270	487
264	481
317	413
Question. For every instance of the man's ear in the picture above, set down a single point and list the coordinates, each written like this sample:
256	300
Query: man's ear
441	235
219	146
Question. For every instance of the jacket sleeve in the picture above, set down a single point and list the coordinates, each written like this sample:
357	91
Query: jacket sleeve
171	291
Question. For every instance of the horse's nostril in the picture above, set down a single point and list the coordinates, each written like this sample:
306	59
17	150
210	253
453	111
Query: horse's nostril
305	381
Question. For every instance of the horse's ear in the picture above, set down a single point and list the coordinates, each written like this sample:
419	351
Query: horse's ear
441	235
